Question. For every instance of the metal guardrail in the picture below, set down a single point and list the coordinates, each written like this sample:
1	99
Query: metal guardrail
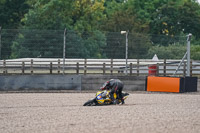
94	66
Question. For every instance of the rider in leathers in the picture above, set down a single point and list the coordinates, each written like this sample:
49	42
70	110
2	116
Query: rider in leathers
116	86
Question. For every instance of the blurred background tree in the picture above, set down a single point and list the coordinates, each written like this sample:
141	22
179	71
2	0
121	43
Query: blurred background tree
95	27
11	13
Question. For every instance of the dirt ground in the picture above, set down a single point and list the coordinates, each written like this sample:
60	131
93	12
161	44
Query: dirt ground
64	113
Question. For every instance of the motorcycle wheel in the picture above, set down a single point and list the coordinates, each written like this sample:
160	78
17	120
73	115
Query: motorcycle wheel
90	103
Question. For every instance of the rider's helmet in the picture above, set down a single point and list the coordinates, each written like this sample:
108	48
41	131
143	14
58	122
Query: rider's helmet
105	85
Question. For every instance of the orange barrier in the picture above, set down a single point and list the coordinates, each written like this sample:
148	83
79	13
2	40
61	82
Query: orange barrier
171	84
163	84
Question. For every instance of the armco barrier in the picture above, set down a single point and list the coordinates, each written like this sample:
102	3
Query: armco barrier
131	83
77	82
40	82
66	82
171	84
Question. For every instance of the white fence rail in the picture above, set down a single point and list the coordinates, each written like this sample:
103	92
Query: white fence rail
95	66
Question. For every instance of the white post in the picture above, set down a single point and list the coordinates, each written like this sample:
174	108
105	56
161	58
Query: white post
64	51
126	52
188	54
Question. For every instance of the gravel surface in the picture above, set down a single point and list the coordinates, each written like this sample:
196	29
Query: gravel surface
64	113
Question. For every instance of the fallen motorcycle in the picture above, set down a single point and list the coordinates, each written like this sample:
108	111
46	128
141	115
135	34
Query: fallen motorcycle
103	98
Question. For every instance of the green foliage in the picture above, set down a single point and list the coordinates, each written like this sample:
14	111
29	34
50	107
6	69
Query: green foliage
195	52
175	18
80	15
175	51
115	45
190	18
52	14
11	13
84	16
154	26
88	15
37	43
139	45
85	45
122	16
94	45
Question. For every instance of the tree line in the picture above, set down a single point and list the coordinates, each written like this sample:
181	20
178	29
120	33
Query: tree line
156	26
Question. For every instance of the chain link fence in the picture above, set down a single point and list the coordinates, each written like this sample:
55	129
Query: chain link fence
24	43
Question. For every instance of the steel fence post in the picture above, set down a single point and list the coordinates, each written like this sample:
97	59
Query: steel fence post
188	54
64	43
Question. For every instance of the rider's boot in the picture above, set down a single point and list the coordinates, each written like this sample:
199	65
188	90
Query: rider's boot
122	101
